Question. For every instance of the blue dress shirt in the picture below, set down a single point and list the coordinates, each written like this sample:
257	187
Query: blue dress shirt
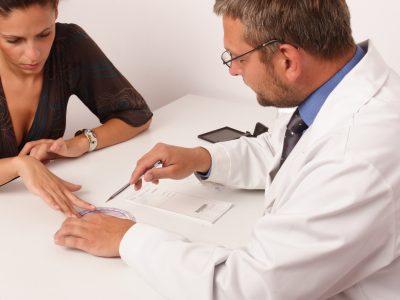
311	106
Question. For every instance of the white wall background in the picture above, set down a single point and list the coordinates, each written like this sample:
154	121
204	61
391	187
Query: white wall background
167	49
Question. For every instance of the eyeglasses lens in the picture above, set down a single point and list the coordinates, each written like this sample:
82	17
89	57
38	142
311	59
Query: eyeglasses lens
226	57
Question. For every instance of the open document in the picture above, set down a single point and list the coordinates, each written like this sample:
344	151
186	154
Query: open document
182	203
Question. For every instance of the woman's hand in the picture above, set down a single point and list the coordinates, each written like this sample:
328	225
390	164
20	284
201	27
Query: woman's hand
46	149
56	192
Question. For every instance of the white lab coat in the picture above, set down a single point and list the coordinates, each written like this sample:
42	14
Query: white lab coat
332	214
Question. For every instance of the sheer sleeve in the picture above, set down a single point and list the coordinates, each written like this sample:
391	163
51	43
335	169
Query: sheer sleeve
100	86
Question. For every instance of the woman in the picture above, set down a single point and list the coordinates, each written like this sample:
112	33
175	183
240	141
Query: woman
42	63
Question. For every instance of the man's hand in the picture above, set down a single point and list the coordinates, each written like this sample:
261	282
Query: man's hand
97	234
177	163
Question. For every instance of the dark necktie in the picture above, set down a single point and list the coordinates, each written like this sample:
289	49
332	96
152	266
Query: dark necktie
294	131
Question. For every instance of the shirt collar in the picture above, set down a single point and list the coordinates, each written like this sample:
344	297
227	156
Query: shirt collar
311	106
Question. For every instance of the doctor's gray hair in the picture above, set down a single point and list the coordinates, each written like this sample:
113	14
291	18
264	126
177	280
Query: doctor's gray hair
321	27
7	6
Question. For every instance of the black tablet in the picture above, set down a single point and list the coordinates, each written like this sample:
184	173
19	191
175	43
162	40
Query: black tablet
221	135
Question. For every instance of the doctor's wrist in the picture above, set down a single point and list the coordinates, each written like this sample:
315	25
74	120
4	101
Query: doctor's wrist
203	159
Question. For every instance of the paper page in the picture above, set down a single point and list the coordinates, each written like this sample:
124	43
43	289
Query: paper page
196	207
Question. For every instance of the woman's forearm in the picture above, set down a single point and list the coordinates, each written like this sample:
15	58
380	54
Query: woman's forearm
112	132
117	131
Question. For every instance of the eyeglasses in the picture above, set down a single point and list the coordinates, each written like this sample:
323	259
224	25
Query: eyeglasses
227	58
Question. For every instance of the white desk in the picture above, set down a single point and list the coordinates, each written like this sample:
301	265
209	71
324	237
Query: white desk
32	267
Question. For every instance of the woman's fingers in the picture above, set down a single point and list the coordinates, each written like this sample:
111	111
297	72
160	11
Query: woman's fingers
70	186
56	192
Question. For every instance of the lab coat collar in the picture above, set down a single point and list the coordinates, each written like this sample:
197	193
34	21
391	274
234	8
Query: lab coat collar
359	85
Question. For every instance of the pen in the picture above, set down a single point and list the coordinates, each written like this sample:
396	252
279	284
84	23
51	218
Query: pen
156	165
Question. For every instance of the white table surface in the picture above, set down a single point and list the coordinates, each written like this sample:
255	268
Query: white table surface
33	267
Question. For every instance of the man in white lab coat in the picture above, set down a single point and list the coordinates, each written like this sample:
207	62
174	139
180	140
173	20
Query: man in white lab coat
332	211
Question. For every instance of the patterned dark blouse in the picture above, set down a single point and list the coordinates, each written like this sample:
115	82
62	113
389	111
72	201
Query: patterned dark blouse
76	66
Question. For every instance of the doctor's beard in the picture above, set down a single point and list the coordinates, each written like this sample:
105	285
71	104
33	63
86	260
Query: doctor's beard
274	92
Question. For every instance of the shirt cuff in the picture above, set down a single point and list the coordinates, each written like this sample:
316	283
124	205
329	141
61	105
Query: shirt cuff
203	176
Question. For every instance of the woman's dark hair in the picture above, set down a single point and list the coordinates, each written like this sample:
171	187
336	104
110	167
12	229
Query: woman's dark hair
7	6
